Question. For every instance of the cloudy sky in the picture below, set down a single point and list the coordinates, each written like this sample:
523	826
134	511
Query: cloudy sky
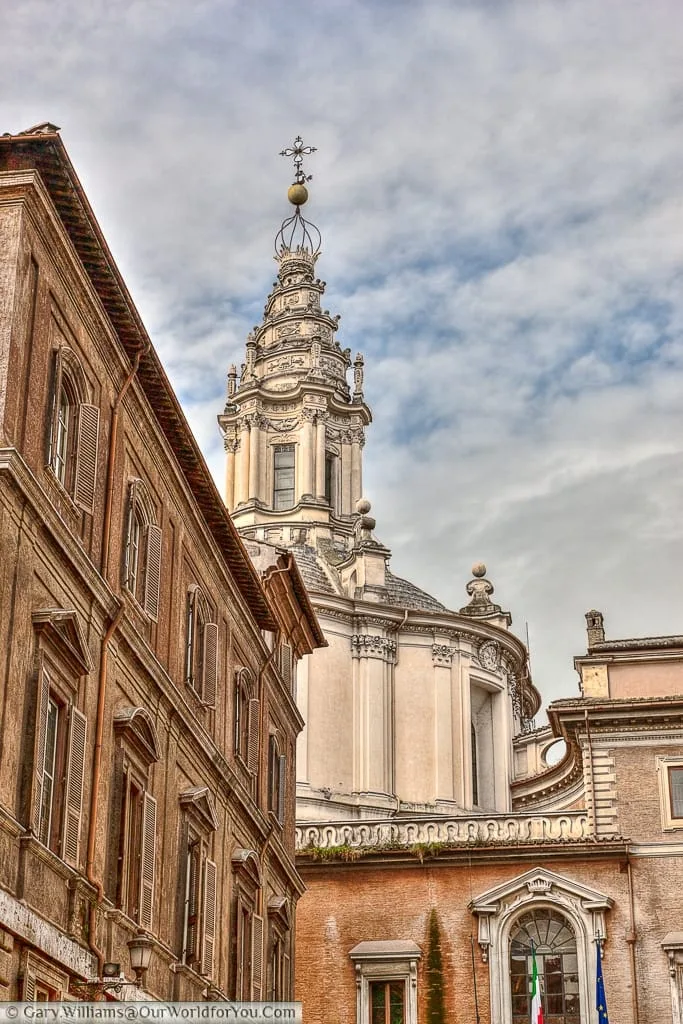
499	187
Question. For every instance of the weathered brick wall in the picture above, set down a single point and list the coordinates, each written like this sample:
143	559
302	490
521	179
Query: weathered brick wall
347	904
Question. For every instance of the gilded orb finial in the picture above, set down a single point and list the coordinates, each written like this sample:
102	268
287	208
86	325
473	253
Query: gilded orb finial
295	233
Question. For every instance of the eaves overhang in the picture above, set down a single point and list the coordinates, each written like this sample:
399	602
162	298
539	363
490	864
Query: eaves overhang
47	154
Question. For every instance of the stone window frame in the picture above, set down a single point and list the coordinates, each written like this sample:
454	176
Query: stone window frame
36	971
248	927
499	909
133	831
664	763
62	660
388	960
200	881
672	944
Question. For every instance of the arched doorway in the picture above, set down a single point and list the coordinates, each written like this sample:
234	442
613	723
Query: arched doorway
551	936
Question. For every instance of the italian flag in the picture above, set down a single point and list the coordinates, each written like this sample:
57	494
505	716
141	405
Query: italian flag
536	1004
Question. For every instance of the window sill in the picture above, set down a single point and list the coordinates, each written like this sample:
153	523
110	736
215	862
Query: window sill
49	857
275	821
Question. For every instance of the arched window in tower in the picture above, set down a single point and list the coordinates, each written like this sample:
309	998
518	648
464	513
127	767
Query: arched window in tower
283	476
475	773
547	935
330	479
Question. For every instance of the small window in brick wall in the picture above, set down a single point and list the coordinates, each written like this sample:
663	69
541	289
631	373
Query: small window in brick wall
142	550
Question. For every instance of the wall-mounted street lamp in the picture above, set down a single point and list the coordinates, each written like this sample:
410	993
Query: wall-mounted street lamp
140	949
113	981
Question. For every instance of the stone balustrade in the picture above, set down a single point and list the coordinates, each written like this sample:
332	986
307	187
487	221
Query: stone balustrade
565	826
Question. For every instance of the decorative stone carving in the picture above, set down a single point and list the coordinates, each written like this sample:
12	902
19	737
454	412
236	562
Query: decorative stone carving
442	654
283	426
289	329
500	829
290	362
489	655
480	591
364	646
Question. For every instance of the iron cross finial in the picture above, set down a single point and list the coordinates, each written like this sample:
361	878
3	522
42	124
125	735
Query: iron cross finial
297	150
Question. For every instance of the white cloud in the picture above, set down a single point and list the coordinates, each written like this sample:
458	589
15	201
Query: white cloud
498	187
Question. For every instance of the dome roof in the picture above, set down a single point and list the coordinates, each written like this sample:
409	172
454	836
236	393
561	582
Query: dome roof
320	576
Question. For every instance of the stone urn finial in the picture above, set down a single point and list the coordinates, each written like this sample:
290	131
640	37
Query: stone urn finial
480	590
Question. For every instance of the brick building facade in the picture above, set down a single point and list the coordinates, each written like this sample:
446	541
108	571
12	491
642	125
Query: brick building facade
148	722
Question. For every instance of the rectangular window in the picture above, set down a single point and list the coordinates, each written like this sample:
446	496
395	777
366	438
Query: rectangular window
283	476
676	791
59	763
330	476
48	769
670	777
199	933
136	821
387	1002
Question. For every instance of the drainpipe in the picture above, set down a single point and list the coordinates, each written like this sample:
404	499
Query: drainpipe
631	938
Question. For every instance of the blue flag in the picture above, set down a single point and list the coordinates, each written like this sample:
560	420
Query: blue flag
600	1001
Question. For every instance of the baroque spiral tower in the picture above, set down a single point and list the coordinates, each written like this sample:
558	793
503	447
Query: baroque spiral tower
293	428
411	705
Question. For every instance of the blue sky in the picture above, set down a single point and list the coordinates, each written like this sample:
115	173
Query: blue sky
499	190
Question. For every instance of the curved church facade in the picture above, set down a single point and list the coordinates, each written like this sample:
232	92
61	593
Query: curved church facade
446	859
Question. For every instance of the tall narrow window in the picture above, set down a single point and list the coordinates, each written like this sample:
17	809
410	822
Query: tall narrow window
676	792
201	648
283	476
73	431
64	417
475	770
200	881
142	550
330	479
59	770
387	1002
549	937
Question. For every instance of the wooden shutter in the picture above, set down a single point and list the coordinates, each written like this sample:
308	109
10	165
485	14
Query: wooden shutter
51	431
86	456
281	788
152	571
209	917
42	701
210	663
191	903
284	993
256	957
147	860
75	770
286	665
253	737
28	987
